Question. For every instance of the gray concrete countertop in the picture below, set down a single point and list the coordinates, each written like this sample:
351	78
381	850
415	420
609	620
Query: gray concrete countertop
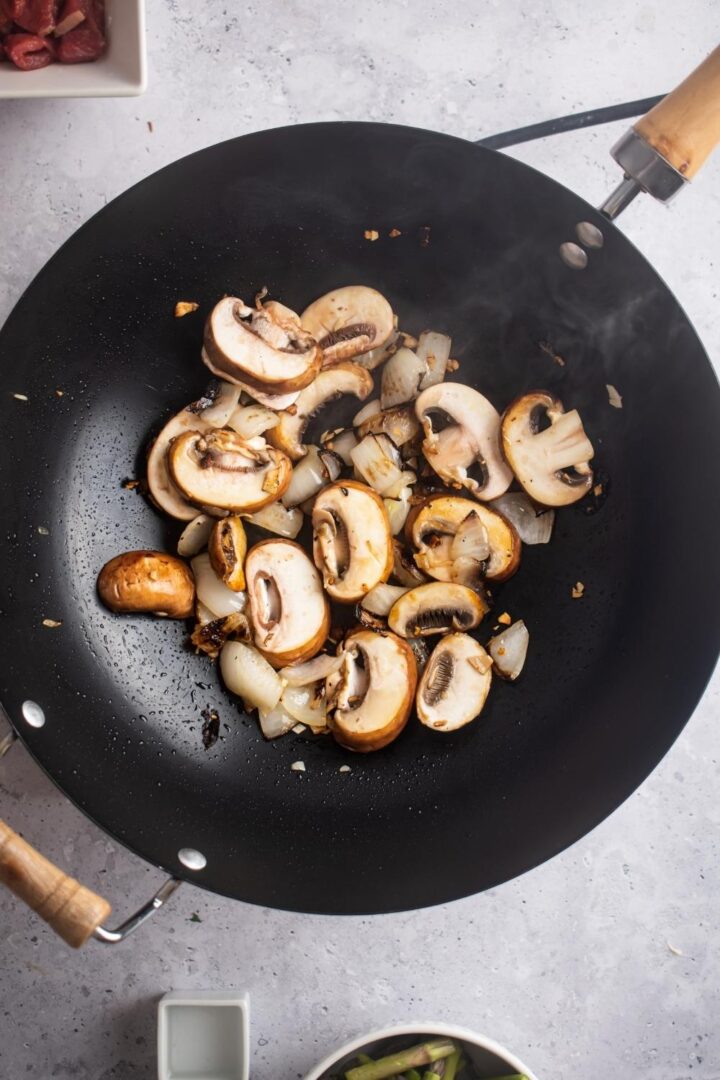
601	963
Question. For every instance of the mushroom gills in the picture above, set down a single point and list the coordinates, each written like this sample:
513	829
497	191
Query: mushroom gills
349	321
333	544
455	683
268	604
437	608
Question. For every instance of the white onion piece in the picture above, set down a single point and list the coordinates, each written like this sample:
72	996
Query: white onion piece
276	722
374	357
371	408
376	461
343	443
534	524
509	650
251	420
398	510
311	671
380	599
305	705
401	378
404	482
471	541
212	591
247	673
223	406
277	519
195	536
313	472
203	614
434	350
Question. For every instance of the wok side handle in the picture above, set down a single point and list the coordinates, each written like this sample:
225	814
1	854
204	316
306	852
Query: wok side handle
684	128
73	911
665	149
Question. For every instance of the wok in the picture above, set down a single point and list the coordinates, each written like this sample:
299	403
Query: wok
111	706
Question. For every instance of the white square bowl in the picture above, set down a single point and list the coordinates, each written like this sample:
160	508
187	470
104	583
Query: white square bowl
203	1035
120	72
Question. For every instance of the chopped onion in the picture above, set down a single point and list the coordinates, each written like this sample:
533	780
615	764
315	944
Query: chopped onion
341	443
277	519
275	722
371	408
380	599
434	350
306	705
374	357
376	460
247	673
195	536
313	472
398	510
401	378
212	591
613	397
471	540
509	650
249	420
311	671
404	483
534	524
203	614
223	405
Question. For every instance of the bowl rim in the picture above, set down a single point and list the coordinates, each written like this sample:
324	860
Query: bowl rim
449	1030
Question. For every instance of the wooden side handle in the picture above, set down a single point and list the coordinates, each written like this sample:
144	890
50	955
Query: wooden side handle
684	127
73	911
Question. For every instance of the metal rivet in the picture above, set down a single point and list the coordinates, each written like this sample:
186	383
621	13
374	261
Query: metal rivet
573	256
33	714
192	859
589	234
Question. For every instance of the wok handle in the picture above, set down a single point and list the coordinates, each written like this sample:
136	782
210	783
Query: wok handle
684	128
73	911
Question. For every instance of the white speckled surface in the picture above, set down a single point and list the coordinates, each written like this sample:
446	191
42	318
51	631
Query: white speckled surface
602	963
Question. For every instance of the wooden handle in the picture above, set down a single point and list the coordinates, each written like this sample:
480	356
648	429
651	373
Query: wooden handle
73	911
684	127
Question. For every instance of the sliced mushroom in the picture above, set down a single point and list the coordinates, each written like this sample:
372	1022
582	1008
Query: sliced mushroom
455	683
268	400
370	697
147	581
289	612
349	321
219	469
404	568
163	491
227	547
552	464
352	545
399	423
472	439
259	347
437	608
450	534
218	403
287	435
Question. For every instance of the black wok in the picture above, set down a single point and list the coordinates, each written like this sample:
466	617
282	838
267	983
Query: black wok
611	678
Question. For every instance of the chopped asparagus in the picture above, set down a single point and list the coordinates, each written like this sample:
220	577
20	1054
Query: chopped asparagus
364	1059
435	1072
391	1066
452	1065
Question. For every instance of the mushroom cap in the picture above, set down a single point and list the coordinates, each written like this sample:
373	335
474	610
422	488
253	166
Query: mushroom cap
163	491
219	469
289	611
541	460
455	683
437	608
148	581
440	517
330	383
371	695
352	543
227	545
348	321
262	397
248	344
473	438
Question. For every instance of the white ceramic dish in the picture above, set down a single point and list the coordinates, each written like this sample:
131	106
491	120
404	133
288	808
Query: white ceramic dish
488	1057
121	72
203	1035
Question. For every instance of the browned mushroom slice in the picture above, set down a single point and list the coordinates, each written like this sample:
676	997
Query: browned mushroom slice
227	546
461	540
262	397
370	697
349	321
163	491
551	463
260	347
288	433
220	469
455	683
352	546
471	439
437	608
289	611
